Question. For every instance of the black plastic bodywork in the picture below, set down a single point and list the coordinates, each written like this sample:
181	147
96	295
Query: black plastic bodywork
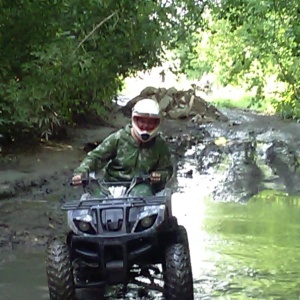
112	251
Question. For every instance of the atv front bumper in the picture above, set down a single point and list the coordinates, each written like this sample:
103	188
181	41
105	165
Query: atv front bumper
115	255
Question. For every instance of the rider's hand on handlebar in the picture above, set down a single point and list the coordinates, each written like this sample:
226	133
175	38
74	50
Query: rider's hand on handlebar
155	177
77	180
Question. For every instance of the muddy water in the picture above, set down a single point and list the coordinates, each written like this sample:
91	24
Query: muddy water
239	251
22	276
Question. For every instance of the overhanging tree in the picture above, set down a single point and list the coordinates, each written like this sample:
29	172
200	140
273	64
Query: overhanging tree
63	59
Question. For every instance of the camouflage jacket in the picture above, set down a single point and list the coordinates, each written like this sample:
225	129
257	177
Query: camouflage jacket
123	158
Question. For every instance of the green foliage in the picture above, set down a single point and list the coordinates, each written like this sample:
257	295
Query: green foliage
63	61
243	102
254	44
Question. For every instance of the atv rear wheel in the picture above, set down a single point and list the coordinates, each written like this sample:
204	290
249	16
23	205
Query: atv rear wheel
178	270
59	272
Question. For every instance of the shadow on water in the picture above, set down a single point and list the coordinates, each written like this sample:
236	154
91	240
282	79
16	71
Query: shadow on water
239	251
22	276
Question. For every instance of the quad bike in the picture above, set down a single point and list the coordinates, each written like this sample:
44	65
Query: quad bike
118	240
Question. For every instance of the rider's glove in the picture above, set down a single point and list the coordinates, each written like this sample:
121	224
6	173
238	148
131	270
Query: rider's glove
155	177
77	180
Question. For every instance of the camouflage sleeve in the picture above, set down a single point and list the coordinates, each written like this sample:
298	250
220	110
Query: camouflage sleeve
165	165
99	157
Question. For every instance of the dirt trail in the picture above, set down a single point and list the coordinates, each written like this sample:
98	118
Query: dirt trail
37	181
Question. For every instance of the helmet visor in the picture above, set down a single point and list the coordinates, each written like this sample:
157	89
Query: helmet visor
146	123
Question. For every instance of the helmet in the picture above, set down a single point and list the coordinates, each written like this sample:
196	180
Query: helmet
146	119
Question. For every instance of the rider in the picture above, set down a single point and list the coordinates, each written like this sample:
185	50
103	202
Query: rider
137	148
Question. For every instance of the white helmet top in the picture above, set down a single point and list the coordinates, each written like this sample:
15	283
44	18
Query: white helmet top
146	119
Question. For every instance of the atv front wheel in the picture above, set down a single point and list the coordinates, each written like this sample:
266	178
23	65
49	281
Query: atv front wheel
178	273
59	272
182	237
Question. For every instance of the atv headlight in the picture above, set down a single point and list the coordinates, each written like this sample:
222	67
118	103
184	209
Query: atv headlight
81	221
148	221
84	226
149	216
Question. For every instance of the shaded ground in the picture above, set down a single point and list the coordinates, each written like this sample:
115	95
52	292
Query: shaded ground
36	181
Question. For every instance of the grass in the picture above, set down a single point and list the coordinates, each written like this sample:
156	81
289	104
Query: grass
243	102
235	97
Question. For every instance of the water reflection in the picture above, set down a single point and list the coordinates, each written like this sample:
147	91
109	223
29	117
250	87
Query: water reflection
239	251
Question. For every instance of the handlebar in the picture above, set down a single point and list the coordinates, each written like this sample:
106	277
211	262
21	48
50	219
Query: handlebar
87	178
105	185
